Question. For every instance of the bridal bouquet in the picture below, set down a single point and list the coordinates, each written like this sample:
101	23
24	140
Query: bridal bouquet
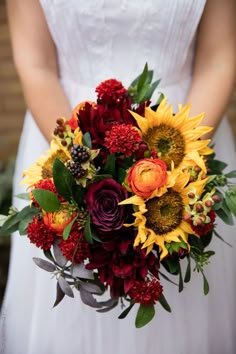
125	192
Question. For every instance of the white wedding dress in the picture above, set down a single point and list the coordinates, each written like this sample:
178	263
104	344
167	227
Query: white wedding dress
97	40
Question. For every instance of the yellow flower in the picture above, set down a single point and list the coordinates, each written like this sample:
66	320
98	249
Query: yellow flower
174	137
42	168
160	220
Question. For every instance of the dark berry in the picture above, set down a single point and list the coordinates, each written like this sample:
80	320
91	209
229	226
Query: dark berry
76	169
79	153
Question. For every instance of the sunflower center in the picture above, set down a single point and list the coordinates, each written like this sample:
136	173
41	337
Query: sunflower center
48	164
168	142
164	213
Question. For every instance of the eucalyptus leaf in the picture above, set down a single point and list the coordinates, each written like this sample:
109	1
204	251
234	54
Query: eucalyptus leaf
225	216
230	200
79	271
3	218
88	299
164	303
45	265
47	200
48	255
112	305
65	287
91	288
144	315
63	180
10	225
59	257
59	295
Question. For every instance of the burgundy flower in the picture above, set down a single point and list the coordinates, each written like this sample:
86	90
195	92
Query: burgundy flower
120	265
123	139
102	200
40	234
146	292
204	229
111	91
75	242
97	120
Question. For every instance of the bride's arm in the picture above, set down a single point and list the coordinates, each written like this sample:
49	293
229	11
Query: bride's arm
35	59
215	61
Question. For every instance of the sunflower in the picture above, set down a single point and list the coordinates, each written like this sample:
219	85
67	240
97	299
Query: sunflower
42	168
160	220
175	138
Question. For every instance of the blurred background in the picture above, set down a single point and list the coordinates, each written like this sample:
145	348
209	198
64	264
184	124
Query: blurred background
12	108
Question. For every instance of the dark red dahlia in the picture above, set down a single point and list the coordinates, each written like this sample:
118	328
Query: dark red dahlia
204	229
111	92
48	185
146	292
119	264
77	244
40	234
100	119
123	139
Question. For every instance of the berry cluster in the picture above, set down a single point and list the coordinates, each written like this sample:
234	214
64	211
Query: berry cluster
60	130
79	154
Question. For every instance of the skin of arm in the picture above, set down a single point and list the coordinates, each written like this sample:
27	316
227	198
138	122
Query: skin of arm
35	58
215	61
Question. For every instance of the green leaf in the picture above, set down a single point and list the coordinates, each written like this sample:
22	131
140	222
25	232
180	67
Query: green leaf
231	174
23	225
87	230
110	165
216	167
230	199
86	140
126	311
10	225
161	97
63	179
67	229
121	175
152	89
24	196
3	218
205	285
172	265
47	200
144	315
221	238
225	216
181	283
143	77
78	193
164	303
188	271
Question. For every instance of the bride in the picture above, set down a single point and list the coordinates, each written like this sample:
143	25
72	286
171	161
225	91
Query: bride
62	50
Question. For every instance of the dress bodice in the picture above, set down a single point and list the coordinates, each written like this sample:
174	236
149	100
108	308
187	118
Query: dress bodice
98	39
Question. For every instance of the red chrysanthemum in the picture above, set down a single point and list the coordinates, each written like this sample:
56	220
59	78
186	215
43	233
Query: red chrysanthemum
146	292
40	234
77	244
124	139
111	91
204	229
48	185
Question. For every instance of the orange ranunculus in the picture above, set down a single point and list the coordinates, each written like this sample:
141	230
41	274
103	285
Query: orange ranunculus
57	221
147	176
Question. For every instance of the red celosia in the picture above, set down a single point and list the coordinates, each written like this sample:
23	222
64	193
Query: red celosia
124	139
111	92
48	185
40	234
204	229
146	292
76	246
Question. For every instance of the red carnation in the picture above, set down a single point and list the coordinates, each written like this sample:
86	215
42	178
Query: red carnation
77	242
146	292
48	185
204	229
124	139
40	234
111	92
